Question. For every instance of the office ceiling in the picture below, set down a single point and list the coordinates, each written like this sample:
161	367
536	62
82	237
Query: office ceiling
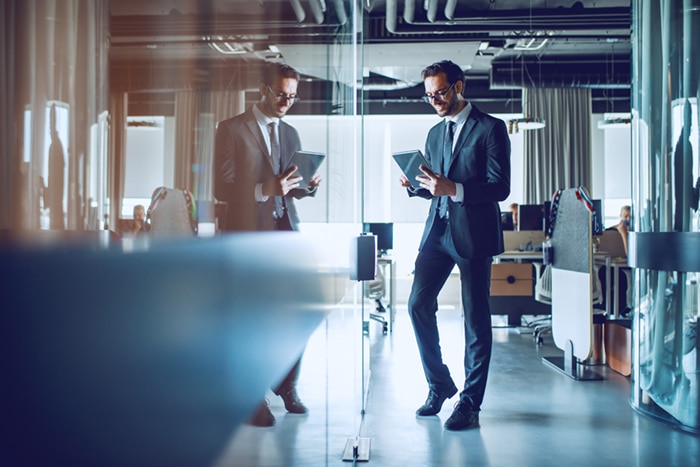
160	46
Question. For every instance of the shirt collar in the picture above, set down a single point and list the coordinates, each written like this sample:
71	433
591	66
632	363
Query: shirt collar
263	120
462	116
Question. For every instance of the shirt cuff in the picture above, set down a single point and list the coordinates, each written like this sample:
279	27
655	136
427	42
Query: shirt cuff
258	194
459	196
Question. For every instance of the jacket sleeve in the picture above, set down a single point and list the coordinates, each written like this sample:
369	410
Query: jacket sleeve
224	166
491	183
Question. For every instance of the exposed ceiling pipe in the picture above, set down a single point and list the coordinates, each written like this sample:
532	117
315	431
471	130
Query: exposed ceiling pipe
450	9
431	9
368	4
604	19
340	12
298	10
317	9
409	11
572	71
391	12
398	85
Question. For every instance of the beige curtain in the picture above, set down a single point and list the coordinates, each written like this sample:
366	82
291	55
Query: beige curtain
559	155
116	166
196	115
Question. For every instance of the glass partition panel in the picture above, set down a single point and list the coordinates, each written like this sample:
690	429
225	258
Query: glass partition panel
666	85
86	73
55	77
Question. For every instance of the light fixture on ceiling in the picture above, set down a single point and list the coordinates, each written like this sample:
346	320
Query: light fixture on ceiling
615	122
612	119
529	122
144	124
230	48
525	123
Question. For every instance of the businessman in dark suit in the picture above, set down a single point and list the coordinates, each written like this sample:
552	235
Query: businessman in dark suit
469	152
250	153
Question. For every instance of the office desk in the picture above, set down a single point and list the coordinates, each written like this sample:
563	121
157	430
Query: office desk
388	266
515	305
518	256
601	258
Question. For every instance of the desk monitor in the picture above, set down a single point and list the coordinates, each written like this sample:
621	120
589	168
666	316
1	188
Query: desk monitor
507	221
597	220
384	231
547	216
531	217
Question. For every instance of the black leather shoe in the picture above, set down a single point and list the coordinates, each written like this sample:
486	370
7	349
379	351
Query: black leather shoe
462	418
434	402
291	401
262	416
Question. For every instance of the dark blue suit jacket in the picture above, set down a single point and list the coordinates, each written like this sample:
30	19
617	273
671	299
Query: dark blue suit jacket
481	163
241	160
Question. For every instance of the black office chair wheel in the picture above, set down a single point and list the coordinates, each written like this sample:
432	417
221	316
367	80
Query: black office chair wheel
385	328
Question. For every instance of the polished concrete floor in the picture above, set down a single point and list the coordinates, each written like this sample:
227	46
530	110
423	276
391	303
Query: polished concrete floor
532	415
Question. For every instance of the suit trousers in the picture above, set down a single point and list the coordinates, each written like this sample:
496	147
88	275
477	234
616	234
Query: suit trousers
433	266
290	380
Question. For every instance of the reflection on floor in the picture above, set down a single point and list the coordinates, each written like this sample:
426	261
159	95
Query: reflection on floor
532	415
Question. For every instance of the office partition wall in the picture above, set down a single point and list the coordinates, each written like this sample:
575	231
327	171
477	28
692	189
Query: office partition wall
665	217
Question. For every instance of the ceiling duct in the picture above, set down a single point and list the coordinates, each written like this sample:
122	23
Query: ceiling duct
576	72
298	10
375	82
317	9
568	22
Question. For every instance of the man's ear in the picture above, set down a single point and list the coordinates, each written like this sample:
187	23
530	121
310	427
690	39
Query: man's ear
459	87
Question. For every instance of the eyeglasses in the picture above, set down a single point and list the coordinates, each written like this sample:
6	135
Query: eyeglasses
280	96
439	95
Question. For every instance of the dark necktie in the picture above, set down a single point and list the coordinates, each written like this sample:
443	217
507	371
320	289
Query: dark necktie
446	157
275	154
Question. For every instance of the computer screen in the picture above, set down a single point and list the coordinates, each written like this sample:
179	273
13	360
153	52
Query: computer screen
597	220
531	217
507	220
384	231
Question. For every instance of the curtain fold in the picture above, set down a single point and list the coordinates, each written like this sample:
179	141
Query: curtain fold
196	116
559	155
117	160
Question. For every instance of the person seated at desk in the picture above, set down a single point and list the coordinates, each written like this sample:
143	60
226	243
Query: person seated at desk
509	219
137	226
622	227
514	213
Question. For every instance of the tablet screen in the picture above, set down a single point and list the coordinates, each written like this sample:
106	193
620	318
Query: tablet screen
409	161
307	163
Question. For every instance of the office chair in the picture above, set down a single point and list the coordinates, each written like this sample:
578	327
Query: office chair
543	294
172	212
376	289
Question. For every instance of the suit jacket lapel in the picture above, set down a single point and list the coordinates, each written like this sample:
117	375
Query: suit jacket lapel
254	128
469	126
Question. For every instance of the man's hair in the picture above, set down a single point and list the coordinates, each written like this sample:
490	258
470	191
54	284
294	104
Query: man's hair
272	71
453	72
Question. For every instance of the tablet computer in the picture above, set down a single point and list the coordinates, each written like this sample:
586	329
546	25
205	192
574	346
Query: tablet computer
307	163
409	161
